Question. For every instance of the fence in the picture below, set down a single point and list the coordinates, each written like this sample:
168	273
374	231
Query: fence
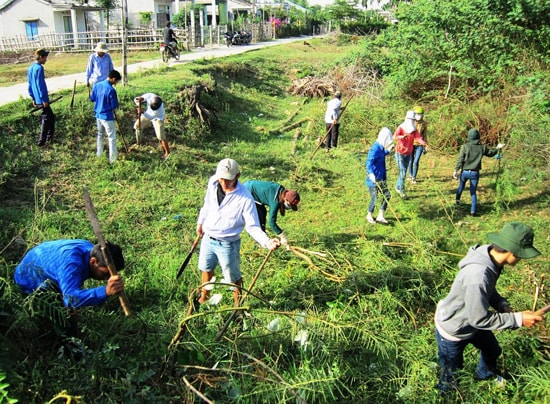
137	38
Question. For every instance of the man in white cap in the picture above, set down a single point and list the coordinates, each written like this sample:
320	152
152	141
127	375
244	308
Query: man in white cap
228	209
99	65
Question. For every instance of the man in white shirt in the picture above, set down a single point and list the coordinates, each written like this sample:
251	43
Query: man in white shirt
228	209
332	123
153	115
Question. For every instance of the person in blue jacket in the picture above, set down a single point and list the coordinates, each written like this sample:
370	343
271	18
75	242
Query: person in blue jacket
376	175
64	265
38	91
106	101
279	199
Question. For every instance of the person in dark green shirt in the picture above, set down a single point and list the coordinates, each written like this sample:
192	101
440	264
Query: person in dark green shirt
469	162
279	199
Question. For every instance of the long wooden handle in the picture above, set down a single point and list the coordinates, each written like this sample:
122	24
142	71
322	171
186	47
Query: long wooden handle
543	311
106	253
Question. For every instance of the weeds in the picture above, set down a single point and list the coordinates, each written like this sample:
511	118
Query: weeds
346	314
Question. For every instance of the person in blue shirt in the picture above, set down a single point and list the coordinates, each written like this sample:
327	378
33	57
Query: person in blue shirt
38	91
279	199
106	101
376	175
228	209
99	65
64	265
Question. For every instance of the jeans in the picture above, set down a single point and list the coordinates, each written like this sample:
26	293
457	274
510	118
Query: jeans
403	163
415	159
473	176
332	136
451	357
379	187
225	253
108	128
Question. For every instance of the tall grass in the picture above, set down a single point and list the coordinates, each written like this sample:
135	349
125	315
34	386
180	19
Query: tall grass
349	319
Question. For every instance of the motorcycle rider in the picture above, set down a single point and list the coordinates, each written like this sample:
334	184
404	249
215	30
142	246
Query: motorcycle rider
170	38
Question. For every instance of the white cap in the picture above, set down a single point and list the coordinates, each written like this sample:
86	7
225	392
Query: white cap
227	169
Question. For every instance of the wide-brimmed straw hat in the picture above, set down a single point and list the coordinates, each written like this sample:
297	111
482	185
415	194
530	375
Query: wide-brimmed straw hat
101	47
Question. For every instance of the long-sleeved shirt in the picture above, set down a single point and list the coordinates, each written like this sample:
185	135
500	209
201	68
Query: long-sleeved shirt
236	212
404	141
37	88
98	67
64	265
267	193
333	110
465	310
376	163
471	154
151	113
106	100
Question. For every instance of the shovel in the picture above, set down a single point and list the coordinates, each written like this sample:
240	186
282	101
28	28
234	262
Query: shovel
138	130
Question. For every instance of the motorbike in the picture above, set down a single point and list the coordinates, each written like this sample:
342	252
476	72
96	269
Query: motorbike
168	51
237	38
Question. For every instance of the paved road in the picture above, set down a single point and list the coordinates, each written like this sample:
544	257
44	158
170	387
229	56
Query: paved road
13	93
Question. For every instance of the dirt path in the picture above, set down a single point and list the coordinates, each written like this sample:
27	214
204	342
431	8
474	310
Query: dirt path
17	91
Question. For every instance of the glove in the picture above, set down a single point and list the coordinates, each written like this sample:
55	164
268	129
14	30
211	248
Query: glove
283	239
455	175
500	145
372	177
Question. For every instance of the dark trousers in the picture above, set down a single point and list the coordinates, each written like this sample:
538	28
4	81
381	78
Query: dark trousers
451	357
332	135
262	214
47	129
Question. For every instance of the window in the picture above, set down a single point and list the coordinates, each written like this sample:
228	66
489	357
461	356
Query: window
31	28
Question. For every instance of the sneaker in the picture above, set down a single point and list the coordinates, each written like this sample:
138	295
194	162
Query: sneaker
457	203
413	181
473	214
500	381
370	219
381	220
400	193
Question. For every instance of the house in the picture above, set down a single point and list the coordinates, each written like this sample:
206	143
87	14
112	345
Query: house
30	18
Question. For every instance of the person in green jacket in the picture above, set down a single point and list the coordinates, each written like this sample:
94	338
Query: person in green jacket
469	161
279	199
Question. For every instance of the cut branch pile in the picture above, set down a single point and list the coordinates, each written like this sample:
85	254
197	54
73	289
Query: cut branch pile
190	97
312	87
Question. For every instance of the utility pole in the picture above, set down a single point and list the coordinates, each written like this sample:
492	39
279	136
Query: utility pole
124	42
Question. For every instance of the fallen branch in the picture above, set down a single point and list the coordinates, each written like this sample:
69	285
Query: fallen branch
194	390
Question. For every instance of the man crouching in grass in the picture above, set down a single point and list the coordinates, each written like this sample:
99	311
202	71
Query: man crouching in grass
463	317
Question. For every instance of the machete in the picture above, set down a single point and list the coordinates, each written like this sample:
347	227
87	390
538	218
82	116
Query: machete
39	107
188	258
106	253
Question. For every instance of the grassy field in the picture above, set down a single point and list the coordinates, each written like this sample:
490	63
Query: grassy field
347	317
60	64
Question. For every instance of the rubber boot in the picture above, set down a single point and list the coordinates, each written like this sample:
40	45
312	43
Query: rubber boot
205	294
380	218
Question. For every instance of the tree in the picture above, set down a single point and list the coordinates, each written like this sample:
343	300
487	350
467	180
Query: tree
108	5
